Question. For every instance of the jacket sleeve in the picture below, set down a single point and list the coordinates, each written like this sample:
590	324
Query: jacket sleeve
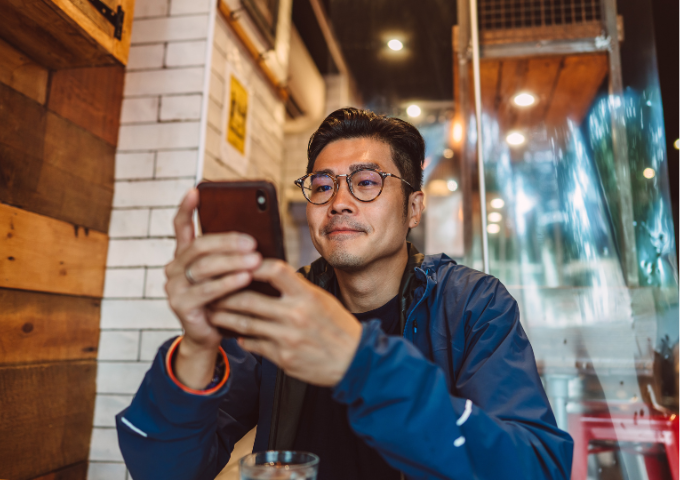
493	423
171	434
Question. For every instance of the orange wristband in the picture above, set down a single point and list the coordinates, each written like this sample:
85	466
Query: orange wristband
168	366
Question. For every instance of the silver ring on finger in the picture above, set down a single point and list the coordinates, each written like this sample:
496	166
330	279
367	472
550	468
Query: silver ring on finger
189	276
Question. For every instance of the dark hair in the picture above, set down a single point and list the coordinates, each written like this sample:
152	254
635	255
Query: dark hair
406	143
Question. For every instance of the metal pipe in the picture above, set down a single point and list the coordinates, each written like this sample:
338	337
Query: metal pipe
478	107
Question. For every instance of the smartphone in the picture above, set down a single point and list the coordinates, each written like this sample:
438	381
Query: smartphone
247	207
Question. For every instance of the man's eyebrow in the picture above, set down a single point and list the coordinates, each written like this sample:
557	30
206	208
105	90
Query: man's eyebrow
352	168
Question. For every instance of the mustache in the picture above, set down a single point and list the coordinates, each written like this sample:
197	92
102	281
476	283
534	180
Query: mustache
344	222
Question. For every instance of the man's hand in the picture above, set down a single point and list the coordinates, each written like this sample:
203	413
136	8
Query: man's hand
217	265
306	332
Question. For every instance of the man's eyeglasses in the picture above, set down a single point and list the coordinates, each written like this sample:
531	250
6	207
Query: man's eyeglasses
365	185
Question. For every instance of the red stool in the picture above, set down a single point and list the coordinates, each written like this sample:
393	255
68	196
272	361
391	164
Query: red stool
585	427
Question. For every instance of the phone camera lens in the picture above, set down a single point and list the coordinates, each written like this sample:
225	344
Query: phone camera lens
261	200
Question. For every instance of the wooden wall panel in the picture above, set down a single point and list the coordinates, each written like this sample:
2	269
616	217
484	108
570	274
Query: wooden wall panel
73	472
52	167
46	417
41	327
65	33
90	98
22	74
47	255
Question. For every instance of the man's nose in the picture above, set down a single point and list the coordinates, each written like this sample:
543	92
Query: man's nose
343	201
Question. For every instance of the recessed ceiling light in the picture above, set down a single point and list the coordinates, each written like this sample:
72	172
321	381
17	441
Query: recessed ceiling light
676	143
648	173
448	153
452	185
497	203
524	99
413	111
395	45
495	217
515	138
493	228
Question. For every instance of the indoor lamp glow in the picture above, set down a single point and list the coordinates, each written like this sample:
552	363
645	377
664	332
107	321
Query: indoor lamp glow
494	217
515	138
497	203
452	185
395	45
413	111
648	173
493	228
524	99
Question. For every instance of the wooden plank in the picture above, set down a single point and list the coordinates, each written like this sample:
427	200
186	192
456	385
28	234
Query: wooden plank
72	472
41	327
90	97
578	82
46	417
53	167
22	74
47	255
64	33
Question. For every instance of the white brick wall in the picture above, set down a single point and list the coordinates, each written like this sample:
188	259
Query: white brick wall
166	120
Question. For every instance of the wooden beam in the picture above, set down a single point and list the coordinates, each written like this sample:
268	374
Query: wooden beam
90	97
22	74
46	417
47	255
53	167
41	327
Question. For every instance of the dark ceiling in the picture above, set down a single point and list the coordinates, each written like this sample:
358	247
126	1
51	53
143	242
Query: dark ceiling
422	70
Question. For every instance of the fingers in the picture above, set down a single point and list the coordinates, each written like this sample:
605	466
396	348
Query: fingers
281	276
217	265
224	243
183	222
252	303
184	300
248	326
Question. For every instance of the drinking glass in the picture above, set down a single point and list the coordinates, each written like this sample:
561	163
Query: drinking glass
279	465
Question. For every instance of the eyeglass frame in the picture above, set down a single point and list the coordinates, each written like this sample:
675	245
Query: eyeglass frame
348	176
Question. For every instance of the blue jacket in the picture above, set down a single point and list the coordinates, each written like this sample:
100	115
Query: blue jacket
458	397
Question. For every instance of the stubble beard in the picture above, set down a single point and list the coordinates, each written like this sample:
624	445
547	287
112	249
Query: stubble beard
341	259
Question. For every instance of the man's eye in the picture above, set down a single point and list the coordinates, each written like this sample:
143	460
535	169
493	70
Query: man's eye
323	188
367	183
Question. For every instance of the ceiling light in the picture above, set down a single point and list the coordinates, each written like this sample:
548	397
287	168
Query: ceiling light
457	132
497	203
524	99
493	228
648	173
495	217
452	185
676	143
413	111
395	45
448	153
515	138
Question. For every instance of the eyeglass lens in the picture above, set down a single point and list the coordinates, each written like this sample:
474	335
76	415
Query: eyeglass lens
319	188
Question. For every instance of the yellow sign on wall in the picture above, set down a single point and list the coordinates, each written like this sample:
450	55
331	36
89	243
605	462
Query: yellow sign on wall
238	112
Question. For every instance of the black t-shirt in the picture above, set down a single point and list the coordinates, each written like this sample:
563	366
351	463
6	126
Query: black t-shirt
324	428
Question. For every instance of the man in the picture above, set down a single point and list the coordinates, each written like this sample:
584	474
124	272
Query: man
381	360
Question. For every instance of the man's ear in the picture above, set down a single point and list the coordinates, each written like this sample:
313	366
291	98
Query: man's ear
416	208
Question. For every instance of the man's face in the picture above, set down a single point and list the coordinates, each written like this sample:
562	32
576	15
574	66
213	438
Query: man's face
351	234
